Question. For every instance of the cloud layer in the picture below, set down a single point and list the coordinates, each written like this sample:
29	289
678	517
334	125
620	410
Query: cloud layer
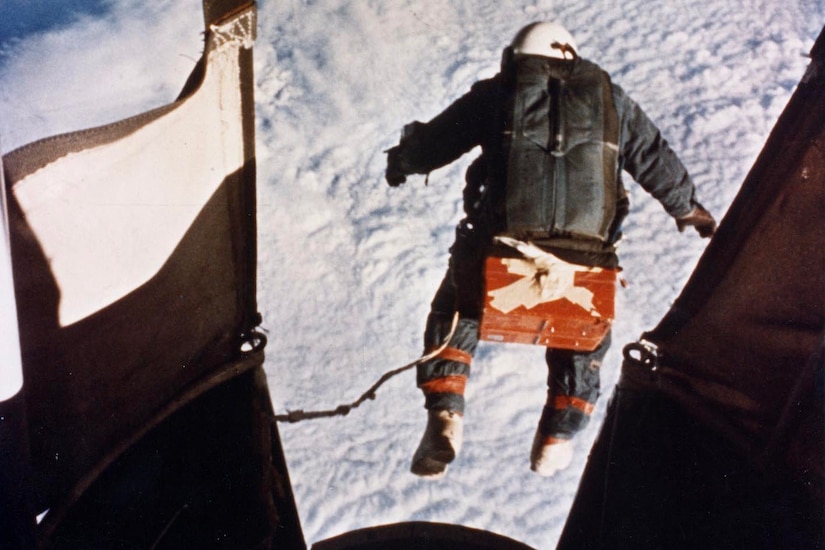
347	267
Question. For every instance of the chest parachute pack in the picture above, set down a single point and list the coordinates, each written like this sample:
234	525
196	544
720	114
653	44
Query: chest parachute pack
561	145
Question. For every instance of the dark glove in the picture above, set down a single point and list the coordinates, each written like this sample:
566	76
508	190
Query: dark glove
699	218
395	176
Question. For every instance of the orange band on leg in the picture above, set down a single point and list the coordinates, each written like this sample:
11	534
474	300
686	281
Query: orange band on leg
561	402
445	384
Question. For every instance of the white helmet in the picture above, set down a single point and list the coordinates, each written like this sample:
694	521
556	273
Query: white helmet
545	39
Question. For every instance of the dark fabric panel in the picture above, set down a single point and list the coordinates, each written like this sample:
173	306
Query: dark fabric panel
657	478
91	383
246	225
17	513
92	388
753	314
200	479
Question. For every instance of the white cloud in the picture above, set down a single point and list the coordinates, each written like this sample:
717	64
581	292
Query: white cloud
97	70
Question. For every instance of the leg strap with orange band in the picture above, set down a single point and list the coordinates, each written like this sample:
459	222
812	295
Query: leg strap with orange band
573	384
572	391
444	377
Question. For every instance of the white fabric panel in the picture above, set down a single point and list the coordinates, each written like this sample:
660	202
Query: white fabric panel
109	217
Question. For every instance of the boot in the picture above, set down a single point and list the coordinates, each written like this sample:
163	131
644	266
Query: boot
550	455
440	444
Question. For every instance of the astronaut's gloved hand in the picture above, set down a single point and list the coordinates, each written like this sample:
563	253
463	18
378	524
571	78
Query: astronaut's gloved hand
699	218
395	176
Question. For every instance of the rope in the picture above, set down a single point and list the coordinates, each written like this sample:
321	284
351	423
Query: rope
343	410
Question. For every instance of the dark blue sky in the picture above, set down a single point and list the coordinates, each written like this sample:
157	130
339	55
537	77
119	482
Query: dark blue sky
19	18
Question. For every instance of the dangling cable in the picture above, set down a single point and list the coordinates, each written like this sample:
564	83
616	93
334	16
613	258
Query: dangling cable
343	410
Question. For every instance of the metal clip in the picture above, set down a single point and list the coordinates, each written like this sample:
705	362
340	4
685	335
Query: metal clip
252	342
643	353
